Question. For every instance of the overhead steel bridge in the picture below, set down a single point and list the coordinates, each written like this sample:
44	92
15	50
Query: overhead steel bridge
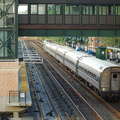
69	18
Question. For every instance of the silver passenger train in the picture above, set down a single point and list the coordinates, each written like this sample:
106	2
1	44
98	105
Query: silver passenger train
100	75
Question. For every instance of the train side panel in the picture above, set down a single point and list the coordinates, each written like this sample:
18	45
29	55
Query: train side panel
86	73
53	50
70	60
60	54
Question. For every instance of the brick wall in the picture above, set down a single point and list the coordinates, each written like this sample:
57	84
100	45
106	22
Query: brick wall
8	77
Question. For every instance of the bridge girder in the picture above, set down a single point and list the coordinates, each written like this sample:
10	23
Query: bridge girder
63	32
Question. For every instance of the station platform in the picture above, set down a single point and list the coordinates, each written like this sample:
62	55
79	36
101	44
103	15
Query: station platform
21	97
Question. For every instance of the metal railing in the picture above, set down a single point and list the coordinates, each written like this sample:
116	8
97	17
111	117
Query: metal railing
17	97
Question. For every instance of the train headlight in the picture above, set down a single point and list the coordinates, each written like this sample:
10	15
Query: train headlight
105	74
103	89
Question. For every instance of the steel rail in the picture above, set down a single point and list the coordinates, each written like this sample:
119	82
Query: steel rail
99	117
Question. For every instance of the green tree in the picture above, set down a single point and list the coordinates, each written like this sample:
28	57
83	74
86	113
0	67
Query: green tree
110	41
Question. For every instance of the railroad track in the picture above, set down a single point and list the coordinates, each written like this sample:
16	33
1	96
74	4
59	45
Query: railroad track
51	93
114	104
56	97
77	100
34	91
35	46
44	106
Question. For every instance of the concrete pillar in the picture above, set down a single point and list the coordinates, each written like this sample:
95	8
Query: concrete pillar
15	114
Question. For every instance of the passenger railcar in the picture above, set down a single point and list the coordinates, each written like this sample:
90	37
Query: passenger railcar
102	76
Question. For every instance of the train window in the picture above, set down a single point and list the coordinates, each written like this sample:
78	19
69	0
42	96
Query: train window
92	75
89	74
97	78
114	75
83	69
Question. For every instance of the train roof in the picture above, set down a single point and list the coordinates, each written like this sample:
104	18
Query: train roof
86	60
58	47
96	64
91	61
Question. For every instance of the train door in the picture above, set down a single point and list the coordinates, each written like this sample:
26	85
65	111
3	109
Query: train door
115	81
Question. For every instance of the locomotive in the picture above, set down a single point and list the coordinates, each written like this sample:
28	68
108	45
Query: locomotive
100	75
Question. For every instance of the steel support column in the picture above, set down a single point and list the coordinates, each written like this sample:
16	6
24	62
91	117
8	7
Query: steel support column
8	29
